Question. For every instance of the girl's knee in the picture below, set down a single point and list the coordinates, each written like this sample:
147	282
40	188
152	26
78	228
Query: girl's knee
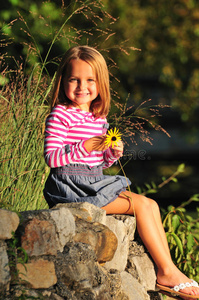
148	203
143	203
154	203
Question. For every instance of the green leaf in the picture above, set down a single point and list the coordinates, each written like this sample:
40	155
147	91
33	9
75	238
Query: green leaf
195	197
12	253
14	2
178	242
190	242
170	208
148	186
152	191
175	222
181	168
139	190
25	259
153	185
174	179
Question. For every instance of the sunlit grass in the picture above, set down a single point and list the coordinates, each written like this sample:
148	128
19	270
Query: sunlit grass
24	105
22	167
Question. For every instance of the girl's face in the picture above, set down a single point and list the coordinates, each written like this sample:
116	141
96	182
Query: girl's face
80	84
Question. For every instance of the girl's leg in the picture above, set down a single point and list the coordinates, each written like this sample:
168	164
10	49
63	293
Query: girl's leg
157	217
148	219
151	231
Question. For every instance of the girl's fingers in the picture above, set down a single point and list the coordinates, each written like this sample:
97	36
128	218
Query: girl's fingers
118	153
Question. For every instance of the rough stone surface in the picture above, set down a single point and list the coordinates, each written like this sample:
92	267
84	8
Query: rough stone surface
38	274
115	285
54	296
136	247
123	233
129	222
69	247
133	288
22	292
145	270
4	268
102	240
65	226
76	267
87	211
39	238
156	296
9	222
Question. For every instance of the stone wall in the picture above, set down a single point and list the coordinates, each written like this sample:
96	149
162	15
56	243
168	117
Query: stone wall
73	251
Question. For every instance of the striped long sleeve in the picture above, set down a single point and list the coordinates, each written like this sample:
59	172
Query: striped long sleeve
65	133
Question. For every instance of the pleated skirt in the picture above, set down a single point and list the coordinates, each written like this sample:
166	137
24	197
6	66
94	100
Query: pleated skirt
81	183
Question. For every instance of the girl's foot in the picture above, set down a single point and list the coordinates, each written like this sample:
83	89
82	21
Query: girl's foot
174	277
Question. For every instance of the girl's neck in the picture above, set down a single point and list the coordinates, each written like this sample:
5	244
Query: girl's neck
83	109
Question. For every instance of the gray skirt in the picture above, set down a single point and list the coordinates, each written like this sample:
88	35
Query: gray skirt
81	183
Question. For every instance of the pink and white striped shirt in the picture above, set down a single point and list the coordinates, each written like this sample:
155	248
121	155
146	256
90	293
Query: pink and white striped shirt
65	133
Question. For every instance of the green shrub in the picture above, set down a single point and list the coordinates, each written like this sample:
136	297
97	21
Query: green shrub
182	232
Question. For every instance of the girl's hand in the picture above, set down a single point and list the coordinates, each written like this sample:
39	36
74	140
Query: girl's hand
96	143
118	150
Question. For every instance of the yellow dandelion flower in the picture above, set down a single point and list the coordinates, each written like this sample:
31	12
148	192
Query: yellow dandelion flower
112	137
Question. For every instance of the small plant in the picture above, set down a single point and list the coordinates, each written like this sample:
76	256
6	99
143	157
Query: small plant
182	229
136	121
182	232
16	255
152	187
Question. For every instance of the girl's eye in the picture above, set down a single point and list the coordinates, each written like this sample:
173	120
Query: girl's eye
91	80
72	79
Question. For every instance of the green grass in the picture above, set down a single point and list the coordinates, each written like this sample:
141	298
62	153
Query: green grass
22	167
24	105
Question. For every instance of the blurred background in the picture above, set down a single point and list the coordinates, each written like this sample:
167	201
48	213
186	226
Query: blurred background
152	49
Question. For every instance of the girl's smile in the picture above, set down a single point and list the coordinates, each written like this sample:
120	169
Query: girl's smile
80	84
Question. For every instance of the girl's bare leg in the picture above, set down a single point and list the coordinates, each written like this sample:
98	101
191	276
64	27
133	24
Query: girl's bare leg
152	233
157	217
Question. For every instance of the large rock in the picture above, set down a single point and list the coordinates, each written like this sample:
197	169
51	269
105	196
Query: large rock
39	238
86	211
124	228
145	270
4	268
76	252
37	274
45	232
9	222
102	240
133	289
76	267
65	226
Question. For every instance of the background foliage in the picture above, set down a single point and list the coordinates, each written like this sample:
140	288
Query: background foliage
166	32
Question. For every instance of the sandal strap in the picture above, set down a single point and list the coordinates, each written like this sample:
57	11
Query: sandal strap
182	286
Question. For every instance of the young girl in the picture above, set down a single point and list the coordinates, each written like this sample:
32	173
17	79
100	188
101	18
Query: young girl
76	152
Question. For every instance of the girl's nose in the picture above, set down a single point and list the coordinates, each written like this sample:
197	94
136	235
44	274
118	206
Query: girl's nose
82	84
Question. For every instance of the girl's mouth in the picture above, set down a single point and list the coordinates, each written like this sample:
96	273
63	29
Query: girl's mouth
81	94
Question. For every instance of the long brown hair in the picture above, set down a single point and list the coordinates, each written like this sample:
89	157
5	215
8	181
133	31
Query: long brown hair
99	106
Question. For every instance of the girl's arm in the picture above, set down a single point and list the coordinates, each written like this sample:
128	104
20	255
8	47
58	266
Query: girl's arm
96	143
56	152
